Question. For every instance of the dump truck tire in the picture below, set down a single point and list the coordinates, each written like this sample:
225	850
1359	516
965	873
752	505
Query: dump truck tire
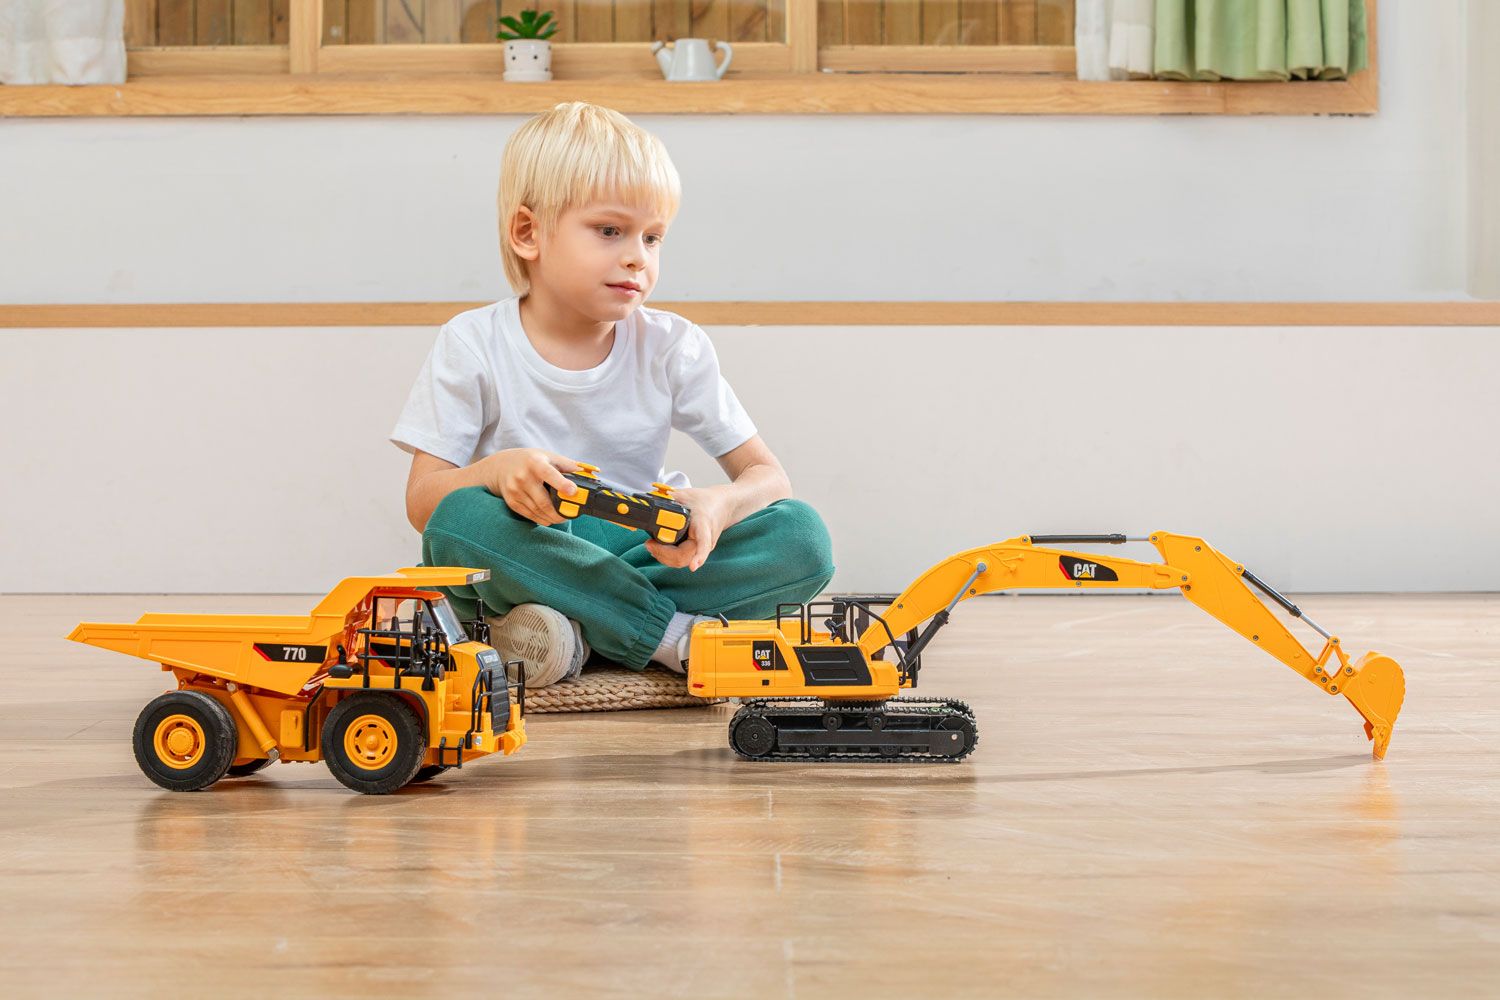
373	743
184	740
429	771
248	768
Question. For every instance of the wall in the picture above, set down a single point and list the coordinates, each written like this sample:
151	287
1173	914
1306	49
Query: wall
254	460
1484	149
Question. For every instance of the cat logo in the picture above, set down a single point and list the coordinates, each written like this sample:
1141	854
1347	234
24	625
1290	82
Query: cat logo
1079	569
766	656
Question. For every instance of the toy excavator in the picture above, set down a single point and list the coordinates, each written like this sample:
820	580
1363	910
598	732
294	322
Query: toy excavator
830	692
381	681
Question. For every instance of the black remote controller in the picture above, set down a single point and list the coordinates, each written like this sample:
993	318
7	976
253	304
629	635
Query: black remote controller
655	512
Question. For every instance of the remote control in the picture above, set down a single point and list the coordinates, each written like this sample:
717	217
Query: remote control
654	512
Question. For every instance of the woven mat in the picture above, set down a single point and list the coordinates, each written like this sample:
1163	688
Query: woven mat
615	689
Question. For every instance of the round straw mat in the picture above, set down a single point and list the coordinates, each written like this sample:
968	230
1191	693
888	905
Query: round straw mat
615	689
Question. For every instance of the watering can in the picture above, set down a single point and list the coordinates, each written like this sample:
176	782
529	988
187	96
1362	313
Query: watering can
691	59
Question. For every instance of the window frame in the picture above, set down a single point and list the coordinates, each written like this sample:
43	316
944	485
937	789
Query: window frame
306	76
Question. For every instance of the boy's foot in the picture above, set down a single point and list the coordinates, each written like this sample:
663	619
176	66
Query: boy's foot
551	643
672	653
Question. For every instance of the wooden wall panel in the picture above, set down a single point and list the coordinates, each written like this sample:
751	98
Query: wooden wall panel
1017	24
211	22
335	22
140	23
710	19
903	22
363	24
479	21
862	22
281	21
1054	22
830	22
441	21
402	20
252	22
776	21
594	20
940	22
174	22
371	22
632	20
671	19
747	20
979	22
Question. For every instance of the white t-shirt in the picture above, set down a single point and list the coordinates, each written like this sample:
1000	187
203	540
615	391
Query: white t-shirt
484	388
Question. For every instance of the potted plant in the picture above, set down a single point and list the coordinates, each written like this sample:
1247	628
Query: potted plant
528	54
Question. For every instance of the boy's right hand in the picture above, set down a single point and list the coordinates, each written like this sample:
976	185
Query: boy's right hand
517	475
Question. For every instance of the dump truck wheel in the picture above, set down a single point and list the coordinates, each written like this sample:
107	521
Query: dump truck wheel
429	771
184	740
248	768
373	743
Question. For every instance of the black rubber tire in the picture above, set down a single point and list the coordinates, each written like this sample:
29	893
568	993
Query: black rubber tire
411	743
429	771
220	740
245	770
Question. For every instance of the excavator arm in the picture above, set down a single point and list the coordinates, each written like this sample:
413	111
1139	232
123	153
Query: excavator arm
1374	684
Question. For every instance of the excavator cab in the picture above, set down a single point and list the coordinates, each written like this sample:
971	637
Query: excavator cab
853	614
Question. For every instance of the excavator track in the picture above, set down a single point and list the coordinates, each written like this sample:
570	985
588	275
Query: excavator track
929	730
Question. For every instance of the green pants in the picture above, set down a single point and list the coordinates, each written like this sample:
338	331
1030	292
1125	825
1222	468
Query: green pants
600	574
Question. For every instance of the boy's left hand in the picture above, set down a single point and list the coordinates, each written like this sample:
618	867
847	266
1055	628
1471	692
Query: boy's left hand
710	512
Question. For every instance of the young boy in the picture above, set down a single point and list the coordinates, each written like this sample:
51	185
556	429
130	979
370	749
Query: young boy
572	369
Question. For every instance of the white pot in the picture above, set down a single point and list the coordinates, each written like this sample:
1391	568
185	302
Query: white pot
528	60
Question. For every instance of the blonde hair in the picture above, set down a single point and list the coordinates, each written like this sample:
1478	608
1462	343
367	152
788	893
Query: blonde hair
573	154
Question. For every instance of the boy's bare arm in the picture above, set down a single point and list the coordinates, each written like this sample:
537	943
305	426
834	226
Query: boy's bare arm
517	475
756	480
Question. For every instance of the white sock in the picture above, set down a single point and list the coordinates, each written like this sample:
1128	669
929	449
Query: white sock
680	625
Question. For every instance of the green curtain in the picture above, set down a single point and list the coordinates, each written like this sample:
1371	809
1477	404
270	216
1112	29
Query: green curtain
1260	39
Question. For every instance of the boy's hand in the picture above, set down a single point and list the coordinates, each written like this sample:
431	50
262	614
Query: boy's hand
518	475
709	515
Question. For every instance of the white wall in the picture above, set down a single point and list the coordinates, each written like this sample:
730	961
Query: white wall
1484	148
255	460
1349	459
797	207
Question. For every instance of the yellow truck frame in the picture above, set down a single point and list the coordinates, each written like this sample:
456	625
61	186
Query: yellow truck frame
830	692
383	707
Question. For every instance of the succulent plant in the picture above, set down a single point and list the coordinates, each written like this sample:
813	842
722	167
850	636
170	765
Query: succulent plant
532	24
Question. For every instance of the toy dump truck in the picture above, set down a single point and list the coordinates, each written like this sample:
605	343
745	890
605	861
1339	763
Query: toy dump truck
381	681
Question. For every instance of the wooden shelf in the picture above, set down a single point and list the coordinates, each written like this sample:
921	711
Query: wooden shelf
785	93
430	314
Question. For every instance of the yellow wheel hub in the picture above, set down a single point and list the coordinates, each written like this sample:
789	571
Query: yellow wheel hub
370	742
179	741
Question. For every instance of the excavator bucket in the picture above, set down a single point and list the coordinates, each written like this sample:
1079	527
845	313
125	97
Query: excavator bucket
1376	690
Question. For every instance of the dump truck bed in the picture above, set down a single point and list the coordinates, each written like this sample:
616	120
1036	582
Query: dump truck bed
278	653
275	652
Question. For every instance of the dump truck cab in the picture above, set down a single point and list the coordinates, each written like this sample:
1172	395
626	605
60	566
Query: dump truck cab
416	647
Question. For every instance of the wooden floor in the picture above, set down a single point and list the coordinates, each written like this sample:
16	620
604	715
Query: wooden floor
1156	809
